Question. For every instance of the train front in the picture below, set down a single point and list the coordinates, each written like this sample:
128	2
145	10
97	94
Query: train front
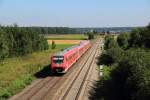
57	64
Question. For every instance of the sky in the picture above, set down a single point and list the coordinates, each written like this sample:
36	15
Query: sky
75	13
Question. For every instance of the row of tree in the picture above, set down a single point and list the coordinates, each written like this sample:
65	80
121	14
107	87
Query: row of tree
53	30
128	58
16	41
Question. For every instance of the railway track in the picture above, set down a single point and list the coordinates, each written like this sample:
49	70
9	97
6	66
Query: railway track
52	88
74	90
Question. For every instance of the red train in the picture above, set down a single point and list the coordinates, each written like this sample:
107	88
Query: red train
62	61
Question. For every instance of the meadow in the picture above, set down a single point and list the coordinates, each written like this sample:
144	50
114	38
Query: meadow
65	41
18	72
66	37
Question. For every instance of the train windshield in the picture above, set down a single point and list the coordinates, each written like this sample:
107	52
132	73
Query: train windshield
58	59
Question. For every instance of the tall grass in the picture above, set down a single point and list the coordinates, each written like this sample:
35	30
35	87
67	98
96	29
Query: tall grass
18	72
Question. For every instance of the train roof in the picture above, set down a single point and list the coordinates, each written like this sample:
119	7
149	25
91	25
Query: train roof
61	53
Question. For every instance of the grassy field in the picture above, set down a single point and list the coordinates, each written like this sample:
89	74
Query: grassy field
66	37
65	41
16	73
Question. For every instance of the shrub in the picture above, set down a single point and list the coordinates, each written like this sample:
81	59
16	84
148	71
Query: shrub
122	40
53	45
90	35
130	77
111	56
110	42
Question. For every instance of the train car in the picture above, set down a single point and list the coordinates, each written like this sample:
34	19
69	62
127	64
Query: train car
62	61
83	47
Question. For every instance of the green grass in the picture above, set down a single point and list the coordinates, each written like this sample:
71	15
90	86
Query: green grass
66	37
106	71
18	72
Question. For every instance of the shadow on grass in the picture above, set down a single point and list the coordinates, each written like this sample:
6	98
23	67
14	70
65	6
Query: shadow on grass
46	72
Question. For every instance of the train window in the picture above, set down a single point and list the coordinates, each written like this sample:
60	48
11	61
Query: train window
58	59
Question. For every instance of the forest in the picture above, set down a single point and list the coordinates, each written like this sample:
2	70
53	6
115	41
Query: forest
126	61
18	41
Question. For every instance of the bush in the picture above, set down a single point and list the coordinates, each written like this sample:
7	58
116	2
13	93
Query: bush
110	42
130	77
15	86
122	40
53	45
135	38
90	35
140	38
111	56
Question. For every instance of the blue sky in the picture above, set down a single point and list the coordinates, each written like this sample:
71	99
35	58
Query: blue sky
75	13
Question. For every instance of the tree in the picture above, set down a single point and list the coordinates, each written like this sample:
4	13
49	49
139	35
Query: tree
53	45
16	41
135	38
130	77
145	37
108	32
25	42
110	42
140	37
111	56
148	26
90	35
4	49
122	40
43	44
